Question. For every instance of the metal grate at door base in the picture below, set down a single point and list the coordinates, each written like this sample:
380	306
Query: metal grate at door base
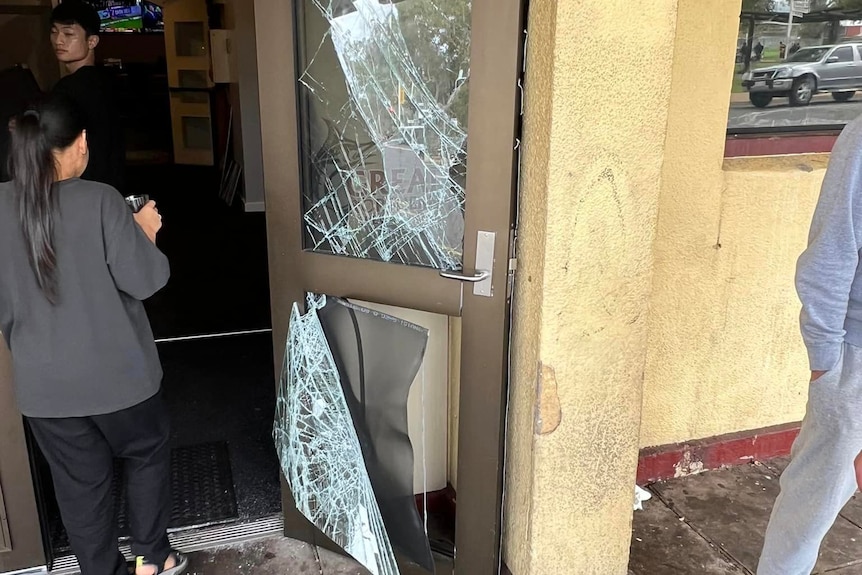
202	492
191	540
202	486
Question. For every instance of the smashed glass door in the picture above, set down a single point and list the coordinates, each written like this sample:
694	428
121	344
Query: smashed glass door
383	98
365	136
341	430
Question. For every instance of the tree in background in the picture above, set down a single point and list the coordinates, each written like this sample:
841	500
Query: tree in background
814	32
437	33
758	5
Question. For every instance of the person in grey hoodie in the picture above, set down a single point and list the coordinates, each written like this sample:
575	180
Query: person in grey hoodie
821	477
75	267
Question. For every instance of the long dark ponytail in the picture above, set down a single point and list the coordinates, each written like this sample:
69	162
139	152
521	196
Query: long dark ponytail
51	125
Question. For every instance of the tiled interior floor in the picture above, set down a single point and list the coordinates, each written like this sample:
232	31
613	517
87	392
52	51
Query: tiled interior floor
713	524
223	390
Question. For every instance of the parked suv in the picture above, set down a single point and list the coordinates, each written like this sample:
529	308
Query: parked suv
835	69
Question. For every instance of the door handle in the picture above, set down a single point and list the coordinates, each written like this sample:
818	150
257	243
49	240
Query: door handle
480	275
482	278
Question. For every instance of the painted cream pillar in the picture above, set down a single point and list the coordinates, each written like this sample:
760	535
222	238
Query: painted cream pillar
597	95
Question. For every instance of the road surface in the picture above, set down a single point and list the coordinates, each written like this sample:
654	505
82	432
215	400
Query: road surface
822	111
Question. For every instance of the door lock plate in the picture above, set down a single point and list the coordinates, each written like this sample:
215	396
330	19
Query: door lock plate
485	262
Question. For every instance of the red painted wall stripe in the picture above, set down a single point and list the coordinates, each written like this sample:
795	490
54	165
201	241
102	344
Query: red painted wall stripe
680	459
736	147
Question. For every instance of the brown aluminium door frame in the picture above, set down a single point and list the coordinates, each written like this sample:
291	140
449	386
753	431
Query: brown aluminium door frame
494	111
19	517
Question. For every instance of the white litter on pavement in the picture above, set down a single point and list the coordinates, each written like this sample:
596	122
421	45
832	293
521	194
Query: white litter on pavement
641	495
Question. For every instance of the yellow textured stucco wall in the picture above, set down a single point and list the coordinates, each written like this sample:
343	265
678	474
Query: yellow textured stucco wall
724	350
591	169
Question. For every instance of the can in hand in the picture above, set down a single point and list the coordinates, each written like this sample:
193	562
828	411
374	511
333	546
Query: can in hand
137	202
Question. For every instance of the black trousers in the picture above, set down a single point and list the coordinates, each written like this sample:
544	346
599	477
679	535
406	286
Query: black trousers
80	453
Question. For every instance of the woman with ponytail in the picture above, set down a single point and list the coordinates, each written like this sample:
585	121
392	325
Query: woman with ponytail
75	267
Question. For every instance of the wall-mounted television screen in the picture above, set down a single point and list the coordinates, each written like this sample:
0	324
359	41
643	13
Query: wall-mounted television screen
129	15
152	17
119	15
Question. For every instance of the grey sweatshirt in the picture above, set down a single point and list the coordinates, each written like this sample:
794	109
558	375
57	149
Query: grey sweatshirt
828	276
93	352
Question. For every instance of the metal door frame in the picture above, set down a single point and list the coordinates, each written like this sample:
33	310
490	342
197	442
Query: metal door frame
19	509
492	175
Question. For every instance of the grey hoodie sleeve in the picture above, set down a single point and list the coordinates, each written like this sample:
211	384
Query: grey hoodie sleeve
138	267
826	270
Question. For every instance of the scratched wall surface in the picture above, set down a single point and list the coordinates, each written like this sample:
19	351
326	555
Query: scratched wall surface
591	181
724	348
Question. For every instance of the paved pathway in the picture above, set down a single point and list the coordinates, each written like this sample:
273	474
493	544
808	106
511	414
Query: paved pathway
708	524
713	524
278	556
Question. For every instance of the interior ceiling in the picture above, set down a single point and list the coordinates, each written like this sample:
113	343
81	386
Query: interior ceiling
7	4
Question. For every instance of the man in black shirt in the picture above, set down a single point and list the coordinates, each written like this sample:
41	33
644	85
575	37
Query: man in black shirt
74	37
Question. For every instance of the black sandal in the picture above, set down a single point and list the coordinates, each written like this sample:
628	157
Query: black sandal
182	562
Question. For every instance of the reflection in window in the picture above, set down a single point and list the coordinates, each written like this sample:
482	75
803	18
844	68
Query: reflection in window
797	72
808	55
844	54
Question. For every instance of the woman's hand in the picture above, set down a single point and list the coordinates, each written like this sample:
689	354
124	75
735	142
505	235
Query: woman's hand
150	220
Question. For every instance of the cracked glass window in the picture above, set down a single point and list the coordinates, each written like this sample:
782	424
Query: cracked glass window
378	357
319	449
797	65
341	430
383	98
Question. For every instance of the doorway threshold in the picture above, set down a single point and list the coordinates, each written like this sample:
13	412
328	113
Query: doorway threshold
213	335
192	540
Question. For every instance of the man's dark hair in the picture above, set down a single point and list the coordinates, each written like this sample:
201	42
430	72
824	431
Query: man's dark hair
71	12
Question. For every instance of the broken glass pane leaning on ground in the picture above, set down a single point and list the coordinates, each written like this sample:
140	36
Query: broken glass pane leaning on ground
334	430
319	450
378	358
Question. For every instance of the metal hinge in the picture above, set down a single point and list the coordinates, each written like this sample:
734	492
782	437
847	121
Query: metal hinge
5	539
513	263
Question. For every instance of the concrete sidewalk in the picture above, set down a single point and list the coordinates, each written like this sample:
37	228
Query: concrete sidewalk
276	556
713	524
280	556
707	524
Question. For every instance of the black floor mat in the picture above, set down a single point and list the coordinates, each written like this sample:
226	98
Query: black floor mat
201	485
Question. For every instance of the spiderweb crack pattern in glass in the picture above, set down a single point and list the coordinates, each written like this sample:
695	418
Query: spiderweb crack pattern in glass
319	451
416	218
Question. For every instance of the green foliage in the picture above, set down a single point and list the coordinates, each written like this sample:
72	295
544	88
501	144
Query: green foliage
437	33
757	5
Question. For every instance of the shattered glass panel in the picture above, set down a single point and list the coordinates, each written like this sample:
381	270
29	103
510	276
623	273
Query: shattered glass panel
378	357
319	449
383	90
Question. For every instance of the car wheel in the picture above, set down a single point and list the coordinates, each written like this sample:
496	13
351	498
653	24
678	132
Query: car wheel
842	96
802	91
760	99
